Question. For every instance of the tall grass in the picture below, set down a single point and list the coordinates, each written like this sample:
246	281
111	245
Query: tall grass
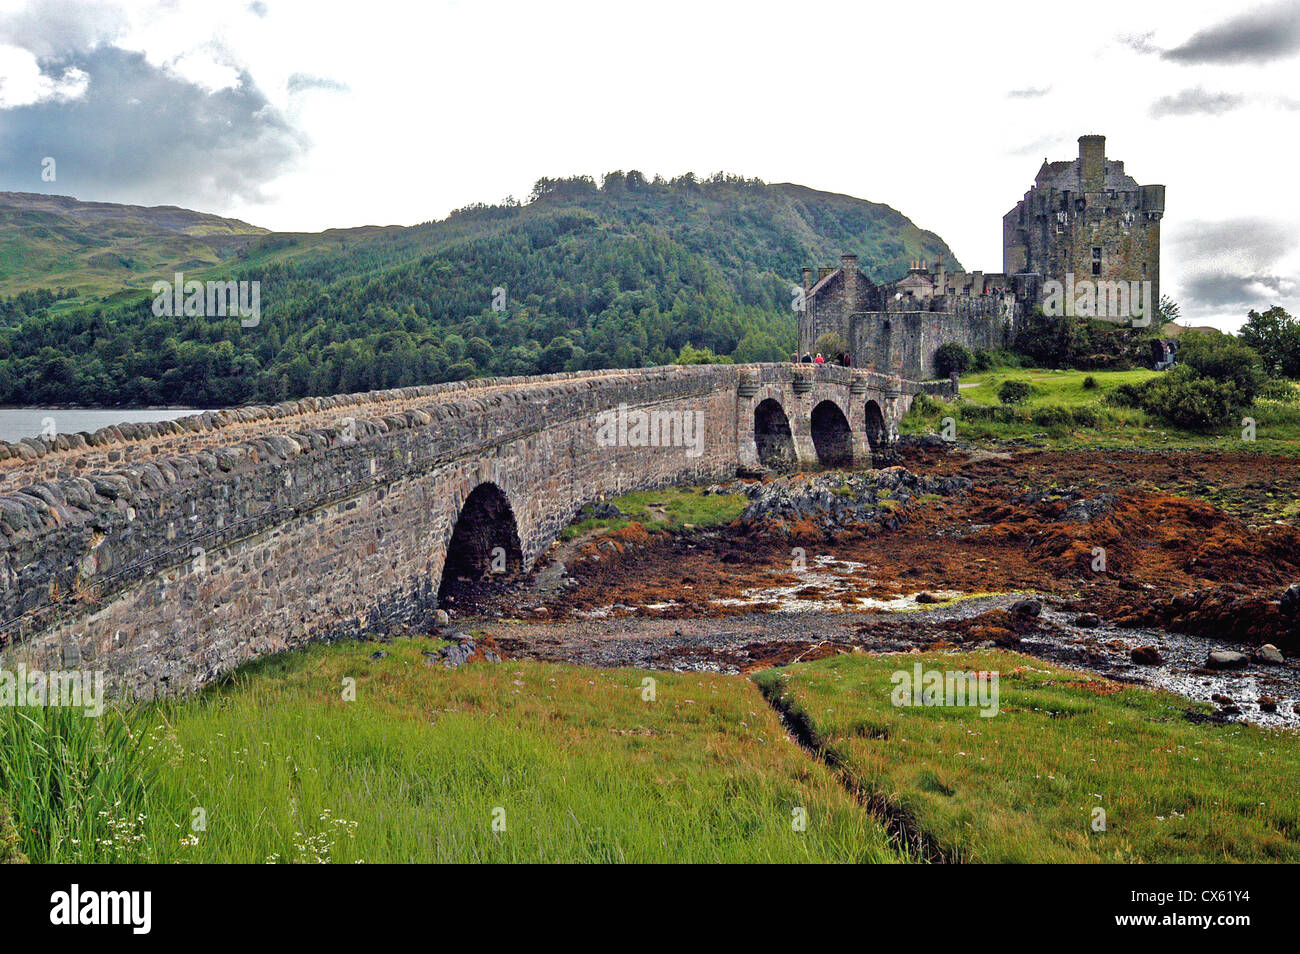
76	787
513	762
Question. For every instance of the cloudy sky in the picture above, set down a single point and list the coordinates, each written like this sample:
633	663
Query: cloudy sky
307	114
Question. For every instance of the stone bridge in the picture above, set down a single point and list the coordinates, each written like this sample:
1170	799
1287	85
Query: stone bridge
166	554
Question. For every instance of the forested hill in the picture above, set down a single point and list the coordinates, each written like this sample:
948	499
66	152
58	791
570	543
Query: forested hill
630	273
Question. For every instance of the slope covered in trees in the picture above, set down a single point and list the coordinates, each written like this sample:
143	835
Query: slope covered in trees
626	274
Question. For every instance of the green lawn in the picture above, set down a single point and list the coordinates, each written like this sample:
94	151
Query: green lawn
1060	410
1023	785
572	762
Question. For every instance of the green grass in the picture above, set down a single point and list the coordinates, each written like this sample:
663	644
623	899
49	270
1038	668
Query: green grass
422	762
1060	410
1058	387
670	509
1022	786
75	787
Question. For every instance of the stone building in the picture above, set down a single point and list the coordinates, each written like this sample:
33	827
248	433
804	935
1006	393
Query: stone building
896	327
1083	217
1087	218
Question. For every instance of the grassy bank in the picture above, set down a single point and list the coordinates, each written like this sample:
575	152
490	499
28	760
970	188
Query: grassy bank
1023	785
673	508
516	761
1069	409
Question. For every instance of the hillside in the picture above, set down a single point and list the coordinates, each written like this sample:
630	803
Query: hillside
54	241
627	274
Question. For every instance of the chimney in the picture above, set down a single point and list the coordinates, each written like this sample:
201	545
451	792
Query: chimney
849	265
807	279
1092	162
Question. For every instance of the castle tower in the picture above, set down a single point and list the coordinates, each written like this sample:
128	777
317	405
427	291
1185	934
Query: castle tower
1086	219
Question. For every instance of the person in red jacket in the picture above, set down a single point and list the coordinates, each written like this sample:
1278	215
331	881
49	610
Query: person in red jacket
819	359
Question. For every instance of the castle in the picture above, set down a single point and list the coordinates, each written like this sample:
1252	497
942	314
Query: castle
1082	220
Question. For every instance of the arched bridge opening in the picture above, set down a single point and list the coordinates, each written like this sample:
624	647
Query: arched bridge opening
831	435
773	437
877	433
484	551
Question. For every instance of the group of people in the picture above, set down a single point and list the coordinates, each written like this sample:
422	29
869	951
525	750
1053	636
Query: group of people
842	359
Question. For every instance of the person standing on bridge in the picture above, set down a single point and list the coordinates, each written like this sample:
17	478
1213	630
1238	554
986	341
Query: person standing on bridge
807	358
819	359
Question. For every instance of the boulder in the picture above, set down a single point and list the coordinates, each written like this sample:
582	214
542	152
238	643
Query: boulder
1268	653
1027	609
1226	659
1290	602
1088	620
1146	656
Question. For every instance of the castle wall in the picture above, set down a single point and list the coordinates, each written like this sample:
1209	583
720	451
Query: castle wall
903	343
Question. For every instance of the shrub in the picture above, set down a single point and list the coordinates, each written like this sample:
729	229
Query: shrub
1087	415
1013	392
1090	383
996	358
952	357
1051	415
1184	398
1224	359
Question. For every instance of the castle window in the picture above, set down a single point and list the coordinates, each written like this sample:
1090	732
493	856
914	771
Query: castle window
1096	253
1096	268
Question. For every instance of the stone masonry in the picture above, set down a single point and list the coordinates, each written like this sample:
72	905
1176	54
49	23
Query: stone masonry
169	553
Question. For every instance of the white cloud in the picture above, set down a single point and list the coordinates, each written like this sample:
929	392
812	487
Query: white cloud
23	82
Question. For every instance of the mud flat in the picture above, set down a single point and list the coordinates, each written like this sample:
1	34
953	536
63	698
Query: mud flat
895	561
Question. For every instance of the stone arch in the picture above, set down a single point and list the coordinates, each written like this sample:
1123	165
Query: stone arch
484	547
773	439
831	435
877	430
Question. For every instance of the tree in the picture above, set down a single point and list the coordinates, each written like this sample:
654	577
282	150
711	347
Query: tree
830	345
1167	310
1275	335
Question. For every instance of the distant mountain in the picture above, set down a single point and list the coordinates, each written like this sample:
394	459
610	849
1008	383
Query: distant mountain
54	241
630	273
